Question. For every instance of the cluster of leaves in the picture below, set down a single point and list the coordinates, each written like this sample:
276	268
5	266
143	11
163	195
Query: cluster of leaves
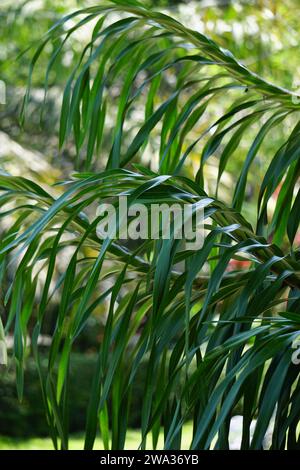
229	333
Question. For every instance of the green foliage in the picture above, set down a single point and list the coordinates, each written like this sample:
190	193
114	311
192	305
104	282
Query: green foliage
27	418
229	333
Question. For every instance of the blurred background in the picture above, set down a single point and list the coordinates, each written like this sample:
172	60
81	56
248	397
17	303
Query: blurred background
263	34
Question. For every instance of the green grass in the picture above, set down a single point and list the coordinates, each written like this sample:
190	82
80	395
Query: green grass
76	441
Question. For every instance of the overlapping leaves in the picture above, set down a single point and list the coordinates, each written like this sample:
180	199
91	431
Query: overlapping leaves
228	334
